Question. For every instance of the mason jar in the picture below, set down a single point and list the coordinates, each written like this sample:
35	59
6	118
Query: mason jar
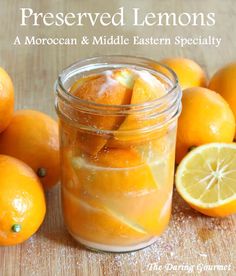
116	182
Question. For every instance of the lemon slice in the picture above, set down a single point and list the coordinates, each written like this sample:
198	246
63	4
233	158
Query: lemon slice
89	211
147	88
114	173
206	179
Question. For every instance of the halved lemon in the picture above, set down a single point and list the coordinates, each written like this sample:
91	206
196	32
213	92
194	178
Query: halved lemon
206	179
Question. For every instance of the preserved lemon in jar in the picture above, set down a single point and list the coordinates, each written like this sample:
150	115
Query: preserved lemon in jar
118	118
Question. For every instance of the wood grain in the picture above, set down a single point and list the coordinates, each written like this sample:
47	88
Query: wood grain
191	239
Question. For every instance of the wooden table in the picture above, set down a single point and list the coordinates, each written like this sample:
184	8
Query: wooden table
192	240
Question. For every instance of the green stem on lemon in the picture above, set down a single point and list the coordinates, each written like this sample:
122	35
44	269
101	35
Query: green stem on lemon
41	172
16	228
191	148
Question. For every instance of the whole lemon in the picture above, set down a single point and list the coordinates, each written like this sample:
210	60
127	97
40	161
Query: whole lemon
32	137
224	82
6	99
189	73
206	117
22	201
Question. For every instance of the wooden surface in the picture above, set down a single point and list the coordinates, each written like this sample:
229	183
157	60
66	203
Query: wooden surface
191	239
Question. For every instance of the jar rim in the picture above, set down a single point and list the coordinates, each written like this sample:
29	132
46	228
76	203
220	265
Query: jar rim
93	61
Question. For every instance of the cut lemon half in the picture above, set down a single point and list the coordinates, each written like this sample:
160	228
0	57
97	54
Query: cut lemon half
206	179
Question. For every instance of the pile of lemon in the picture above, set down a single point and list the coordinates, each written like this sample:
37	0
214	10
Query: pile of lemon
29	164
205	152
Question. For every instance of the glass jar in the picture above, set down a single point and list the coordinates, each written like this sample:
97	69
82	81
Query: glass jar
116	183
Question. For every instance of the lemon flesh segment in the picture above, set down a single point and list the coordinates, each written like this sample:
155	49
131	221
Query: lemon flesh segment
206	177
